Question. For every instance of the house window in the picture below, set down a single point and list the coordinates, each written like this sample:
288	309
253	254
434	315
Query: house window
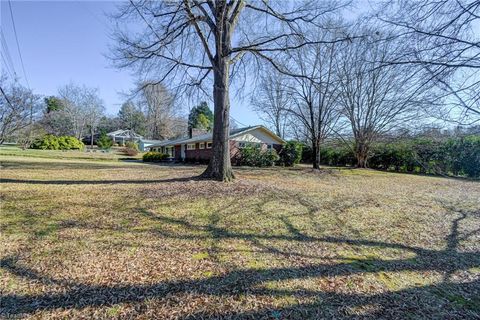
191	146
170	152
209	145
248	144
201	145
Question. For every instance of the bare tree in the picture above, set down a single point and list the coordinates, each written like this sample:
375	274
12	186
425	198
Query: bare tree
94	109
185	42
161	112
19	108
271	101
375	100
443	37
82	108
72	96
315	93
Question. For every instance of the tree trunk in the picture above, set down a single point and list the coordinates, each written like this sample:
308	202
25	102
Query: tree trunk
91	137
316	154
361	153
220	167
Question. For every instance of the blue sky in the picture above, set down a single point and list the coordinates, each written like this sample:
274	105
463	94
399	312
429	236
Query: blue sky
64	41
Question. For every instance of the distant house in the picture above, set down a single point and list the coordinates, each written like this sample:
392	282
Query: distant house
121	136
199	147
144	144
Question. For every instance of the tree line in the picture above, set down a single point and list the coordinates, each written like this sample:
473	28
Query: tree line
78	111
316	74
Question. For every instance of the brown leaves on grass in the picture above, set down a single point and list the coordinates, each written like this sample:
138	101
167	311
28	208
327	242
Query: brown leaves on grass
147	241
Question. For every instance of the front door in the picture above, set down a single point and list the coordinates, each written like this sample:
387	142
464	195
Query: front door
182	151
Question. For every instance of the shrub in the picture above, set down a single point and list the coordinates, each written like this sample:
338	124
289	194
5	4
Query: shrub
70	143
131	145
51	142
291	154
307	154
153	156
256	157
463	155
130	151
459	156
336	156
104	142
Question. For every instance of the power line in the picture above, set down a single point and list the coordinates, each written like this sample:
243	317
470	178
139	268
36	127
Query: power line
7	67
7	58
18	45
6	97
238	122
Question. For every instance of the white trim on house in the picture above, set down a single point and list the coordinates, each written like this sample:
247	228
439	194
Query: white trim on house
256	134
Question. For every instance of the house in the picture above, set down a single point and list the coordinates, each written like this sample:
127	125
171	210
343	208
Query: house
199	147
144	144
121	136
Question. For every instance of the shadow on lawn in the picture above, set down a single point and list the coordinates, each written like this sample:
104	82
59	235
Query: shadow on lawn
64	165
445	300
96	182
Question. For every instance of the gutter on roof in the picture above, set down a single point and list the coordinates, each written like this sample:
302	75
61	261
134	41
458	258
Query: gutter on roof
209	136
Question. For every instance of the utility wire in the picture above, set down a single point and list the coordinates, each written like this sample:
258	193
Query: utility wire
6	97
7	67
18	45
238	122
7	58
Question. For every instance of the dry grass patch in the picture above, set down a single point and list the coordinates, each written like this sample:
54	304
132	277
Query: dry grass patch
83	239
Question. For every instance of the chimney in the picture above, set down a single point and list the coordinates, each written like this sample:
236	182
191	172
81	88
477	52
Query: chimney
193	132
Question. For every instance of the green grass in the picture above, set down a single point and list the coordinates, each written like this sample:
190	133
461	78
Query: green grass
114	154
83	238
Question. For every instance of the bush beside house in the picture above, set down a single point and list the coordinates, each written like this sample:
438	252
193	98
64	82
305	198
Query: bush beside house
256	157
153	156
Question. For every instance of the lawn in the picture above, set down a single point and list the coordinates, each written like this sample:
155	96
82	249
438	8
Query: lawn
110	239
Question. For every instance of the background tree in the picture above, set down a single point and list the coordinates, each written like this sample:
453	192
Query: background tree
201	117
443	38
74	109
315	93
190	43
163	118
271	100
109	124
94	111
131	117
376	99
19	108
104	142
53	104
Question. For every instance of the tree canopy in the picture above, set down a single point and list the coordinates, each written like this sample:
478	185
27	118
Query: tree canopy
201	117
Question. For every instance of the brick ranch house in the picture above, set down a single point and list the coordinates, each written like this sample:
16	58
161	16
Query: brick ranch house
199	147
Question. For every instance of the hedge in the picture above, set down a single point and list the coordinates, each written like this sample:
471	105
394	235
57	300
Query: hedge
256	157
51	142
153	156
291	154
457	156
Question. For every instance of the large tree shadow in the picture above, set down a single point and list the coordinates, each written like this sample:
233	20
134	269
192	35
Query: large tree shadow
456	300
99	182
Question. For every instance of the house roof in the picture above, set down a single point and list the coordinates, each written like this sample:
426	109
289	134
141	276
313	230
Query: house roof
150	141
208	136
124	133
